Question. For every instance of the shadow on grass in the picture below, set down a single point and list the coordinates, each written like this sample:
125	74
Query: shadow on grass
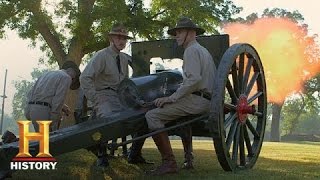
301	142
81	165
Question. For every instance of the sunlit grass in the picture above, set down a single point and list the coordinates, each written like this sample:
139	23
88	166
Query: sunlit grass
299	160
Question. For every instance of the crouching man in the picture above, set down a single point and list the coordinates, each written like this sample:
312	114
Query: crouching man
45	100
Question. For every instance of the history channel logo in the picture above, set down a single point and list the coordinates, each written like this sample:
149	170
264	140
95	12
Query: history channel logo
24	160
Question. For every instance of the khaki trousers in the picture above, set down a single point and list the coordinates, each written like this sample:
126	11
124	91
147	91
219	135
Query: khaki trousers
108	102
35	112
191	104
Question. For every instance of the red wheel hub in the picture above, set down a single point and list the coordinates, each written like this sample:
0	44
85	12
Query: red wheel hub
243	108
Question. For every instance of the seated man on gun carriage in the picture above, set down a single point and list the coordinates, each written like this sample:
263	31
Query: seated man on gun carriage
192	97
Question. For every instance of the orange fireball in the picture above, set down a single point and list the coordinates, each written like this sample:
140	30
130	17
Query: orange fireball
289	55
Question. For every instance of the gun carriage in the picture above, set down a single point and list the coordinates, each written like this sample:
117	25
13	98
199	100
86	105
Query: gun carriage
236	121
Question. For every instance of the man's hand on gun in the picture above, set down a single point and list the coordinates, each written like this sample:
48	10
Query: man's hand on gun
159	102
65	110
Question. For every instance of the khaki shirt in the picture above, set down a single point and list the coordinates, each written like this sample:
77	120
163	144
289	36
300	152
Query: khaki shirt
52	87
102	72
198	71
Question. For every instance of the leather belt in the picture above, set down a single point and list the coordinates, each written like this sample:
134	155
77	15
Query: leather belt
203	94
40	103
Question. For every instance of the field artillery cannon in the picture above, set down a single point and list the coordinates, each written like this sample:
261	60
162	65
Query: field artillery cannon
236	121
237	117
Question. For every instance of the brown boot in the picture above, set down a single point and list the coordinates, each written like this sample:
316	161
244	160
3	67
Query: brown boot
187	147
169	164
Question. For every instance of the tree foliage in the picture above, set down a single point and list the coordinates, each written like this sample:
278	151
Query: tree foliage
70	29
301	115
309	124
291	112
294	16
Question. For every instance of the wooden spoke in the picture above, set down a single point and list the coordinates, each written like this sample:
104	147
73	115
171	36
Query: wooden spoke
252	81
247	73
247	141
231	91
235	80
252	129
241	147
241	70
236	143
229	120
231	134
254	97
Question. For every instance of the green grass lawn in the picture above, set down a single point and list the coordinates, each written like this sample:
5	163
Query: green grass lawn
300	160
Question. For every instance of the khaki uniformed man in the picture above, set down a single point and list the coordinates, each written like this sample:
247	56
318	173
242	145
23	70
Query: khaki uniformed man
45	101
192	97
102	76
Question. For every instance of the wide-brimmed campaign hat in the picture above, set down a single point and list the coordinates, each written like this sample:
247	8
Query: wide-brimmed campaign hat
120	30
75	82
185	23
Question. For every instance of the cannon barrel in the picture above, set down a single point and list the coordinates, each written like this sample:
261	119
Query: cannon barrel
141	91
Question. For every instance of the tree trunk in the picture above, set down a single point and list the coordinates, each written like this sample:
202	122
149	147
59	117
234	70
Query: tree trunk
275	125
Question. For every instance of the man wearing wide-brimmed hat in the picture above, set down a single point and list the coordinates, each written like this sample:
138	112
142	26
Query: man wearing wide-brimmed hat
102	76
45	101
192	97
107	68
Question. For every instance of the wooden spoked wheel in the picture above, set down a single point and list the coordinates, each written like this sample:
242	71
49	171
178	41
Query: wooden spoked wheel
239	108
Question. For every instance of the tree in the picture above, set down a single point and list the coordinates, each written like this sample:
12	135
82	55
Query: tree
275	122
301	114
309	124
76	28
302	108
292	118
294	16
70	29
292	110
312	93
